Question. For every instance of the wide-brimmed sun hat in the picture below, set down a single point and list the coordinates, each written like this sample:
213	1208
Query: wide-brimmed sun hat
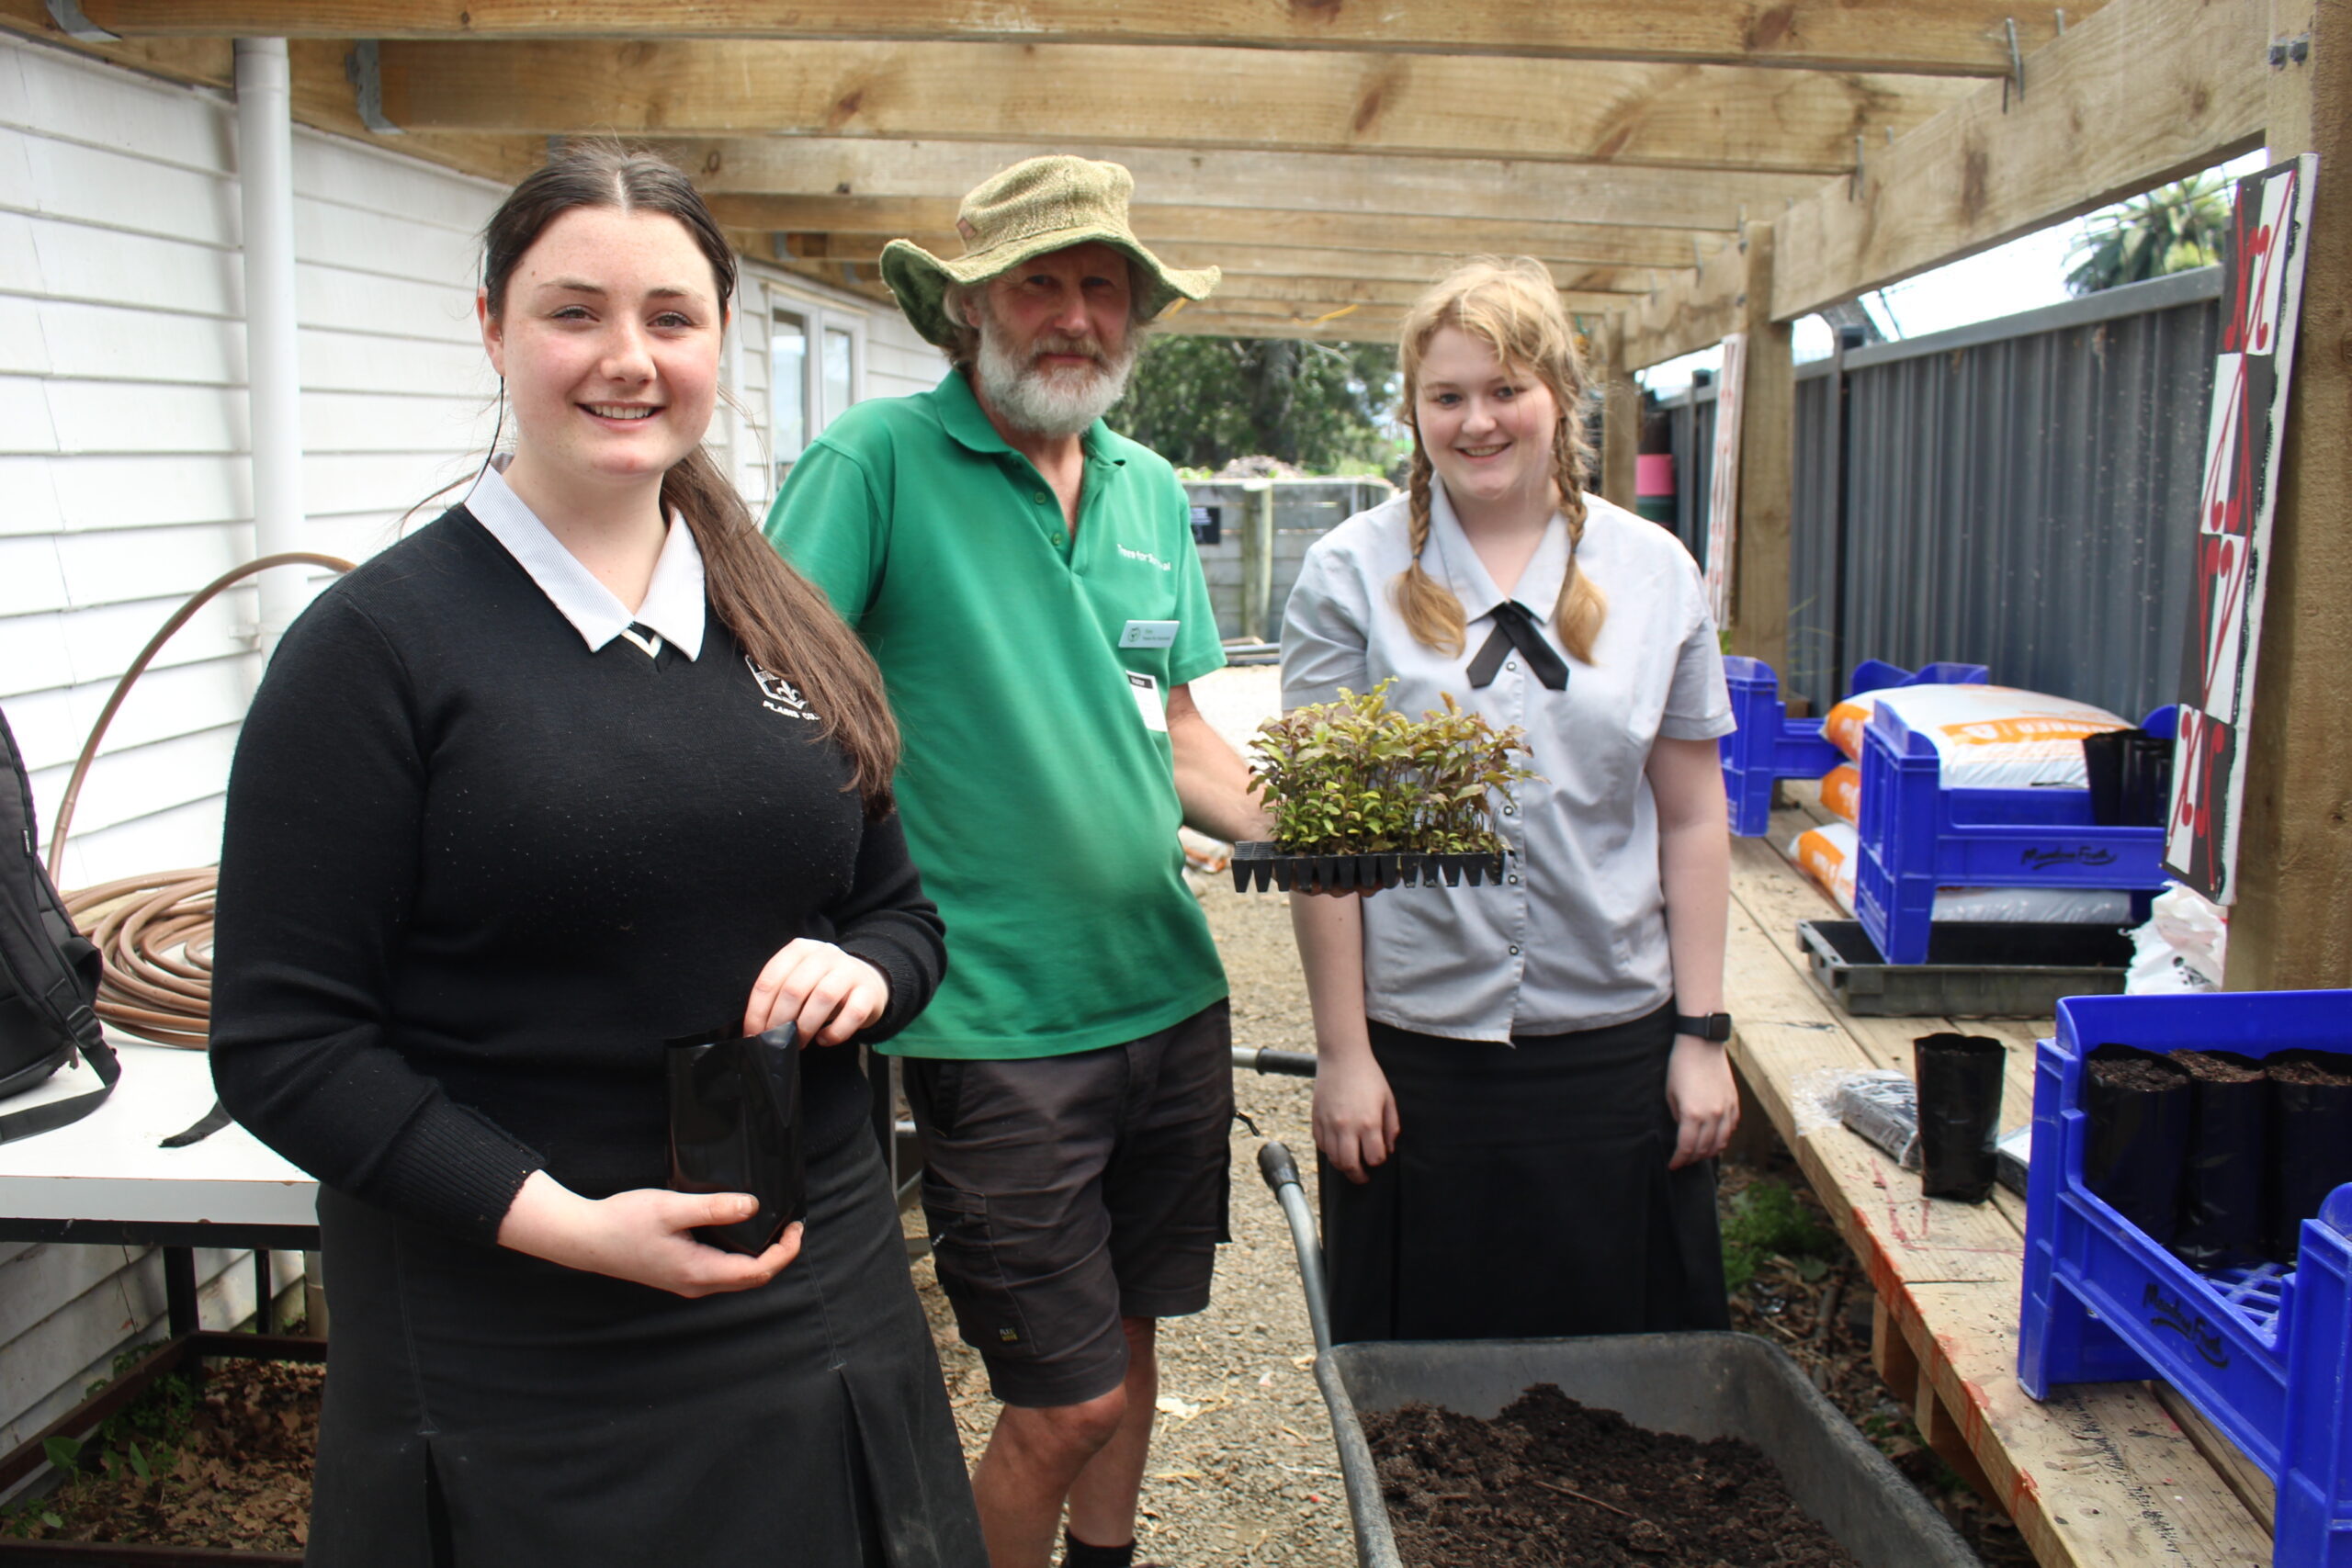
1034	208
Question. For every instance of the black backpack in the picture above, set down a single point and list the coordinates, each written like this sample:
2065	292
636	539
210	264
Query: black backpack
48	971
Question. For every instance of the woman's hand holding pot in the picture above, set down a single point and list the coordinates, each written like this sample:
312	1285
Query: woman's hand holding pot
645	1236
828	993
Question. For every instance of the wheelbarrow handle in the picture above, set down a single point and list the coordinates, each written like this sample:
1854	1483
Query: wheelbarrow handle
1289	1063
1281	1172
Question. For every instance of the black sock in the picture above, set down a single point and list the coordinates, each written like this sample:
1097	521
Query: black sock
1076	1553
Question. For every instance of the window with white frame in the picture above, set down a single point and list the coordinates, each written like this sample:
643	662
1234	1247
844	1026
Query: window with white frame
816	368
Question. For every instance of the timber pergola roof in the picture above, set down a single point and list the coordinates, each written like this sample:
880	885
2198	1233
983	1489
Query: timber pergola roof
1331	155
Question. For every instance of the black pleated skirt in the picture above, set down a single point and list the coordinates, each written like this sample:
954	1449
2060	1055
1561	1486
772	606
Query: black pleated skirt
1527	1196
485	1409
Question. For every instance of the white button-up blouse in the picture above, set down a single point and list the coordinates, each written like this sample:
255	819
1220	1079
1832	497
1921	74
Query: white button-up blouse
1575	937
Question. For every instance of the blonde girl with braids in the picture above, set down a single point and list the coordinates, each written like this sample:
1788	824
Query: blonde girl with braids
1522	1088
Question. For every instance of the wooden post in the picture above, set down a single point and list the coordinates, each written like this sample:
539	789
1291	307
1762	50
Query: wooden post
1621	415
2292	926
1257	561
1759	583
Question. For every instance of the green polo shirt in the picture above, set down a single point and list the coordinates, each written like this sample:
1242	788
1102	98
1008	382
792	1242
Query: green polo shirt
1038	801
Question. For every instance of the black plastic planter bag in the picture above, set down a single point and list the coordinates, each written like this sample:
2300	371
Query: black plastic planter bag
735	1127
2138	1103
2130	775
2311	1139
1959	1078
2222	1188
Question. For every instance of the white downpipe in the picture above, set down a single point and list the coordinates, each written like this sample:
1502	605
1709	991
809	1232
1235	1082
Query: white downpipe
273	368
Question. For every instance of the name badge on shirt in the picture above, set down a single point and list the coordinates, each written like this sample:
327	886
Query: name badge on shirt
1150	634
1147	703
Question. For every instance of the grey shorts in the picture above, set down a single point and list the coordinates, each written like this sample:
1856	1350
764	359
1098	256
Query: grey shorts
1067	1192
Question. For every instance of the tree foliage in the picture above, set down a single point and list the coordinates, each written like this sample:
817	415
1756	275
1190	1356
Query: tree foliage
2175	229
1202	401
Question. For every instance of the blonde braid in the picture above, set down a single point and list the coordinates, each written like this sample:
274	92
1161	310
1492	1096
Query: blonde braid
1582	607
1432	611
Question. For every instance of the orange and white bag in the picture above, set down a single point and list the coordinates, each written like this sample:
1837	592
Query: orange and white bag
1830	854
1988	736
1841	792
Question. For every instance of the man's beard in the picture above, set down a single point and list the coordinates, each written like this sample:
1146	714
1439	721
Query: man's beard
1057	403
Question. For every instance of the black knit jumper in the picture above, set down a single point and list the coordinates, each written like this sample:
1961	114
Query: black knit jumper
474	874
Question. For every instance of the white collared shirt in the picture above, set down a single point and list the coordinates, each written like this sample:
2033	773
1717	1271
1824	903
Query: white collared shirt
672	610
1575	938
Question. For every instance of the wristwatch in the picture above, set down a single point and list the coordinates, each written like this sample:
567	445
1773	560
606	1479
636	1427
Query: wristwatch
1714	1026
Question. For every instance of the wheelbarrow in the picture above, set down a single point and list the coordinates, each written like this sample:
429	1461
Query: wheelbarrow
1701	1385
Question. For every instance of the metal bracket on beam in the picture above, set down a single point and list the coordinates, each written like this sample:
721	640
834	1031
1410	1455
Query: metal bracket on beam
363	68
2016	65
2297	48
67	14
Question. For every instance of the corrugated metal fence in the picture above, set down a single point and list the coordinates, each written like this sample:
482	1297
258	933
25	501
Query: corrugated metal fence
2020	494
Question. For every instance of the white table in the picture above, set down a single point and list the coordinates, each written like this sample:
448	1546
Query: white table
105	1179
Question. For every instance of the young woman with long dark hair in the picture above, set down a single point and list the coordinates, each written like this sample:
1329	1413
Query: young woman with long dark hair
577	768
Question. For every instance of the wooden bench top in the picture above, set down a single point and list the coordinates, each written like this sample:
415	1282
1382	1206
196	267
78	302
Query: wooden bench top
2101	1474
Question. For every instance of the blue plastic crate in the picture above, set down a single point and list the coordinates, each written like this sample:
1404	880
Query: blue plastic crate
1769	746
1917	836
2266	1353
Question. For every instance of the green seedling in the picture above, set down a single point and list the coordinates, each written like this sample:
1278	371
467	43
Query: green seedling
1354	776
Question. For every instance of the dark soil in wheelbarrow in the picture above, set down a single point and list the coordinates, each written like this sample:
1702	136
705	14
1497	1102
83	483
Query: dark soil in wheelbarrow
1550	1481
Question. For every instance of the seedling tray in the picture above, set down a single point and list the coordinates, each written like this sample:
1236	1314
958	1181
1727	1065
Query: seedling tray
1259	865
2264	1353
1974	968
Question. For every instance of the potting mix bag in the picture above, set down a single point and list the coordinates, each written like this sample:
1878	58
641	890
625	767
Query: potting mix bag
1832	853
1989	737
1841	792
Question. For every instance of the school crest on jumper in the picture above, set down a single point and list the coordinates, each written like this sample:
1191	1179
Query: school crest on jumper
779	695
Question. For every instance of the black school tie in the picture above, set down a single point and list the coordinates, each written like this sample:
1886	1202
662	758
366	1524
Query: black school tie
1516	628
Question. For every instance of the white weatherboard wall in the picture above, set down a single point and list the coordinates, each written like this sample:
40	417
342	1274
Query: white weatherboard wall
125	485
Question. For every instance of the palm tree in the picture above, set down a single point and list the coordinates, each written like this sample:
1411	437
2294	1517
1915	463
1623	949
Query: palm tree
2170	230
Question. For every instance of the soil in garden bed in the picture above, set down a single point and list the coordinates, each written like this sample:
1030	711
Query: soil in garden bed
1550	1481
223	1462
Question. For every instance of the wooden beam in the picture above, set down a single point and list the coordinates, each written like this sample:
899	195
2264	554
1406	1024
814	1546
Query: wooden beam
1329	292
1726	117
1347	324
1694	309
1621	415
1612	206
2144	91
1759	596
1963	37
1184	230
1242	259
2291	928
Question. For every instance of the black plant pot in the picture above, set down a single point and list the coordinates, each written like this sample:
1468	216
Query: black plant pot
735	1127
1959	1081
2221	1189
2311	1142
2130	775
2139	1106
1258	864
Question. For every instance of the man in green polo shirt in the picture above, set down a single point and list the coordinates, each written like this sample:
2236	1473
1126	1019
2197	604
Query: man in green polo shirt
1028	583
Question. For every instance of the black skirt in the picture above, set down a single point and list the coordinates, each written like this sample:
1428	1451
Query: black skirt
488	1408
1527	1196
